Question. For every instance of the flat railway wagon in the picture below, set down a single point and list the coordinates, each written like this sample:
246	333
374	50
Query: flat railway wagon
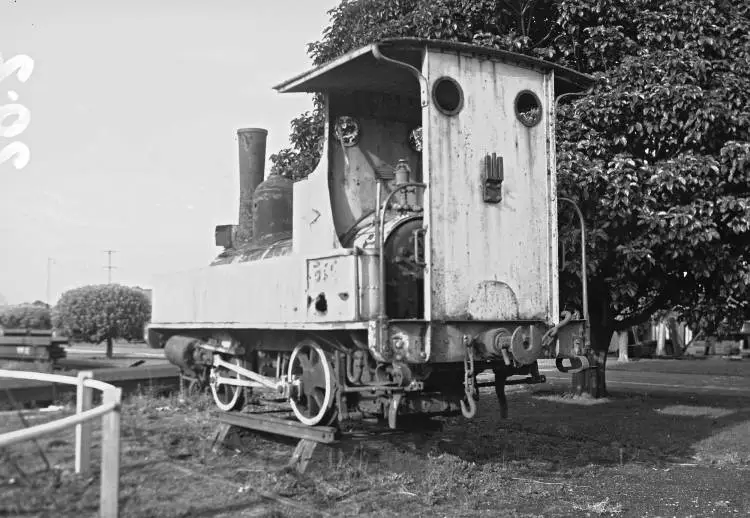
421	251
32	345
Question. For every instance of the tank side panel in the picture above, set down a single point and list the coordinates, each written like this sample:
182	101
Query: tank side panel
487	260
313	228
261	291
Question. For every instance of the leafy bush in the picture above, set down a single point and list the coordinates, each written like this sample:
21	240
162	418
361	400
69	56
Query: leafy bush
103	312
26	316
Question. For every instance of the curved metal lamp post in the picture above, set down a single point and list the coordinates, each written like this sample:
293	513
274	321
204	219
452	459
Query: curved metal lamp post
584	280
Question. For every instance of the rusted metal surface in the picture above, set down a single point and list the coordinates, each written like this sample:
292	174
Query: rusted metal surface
332	288
488	260
280	246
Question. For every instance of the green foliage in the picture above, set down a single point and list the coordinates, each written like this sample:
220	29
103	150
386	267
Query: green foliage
26	316
520	25
297	162
101	312
657	155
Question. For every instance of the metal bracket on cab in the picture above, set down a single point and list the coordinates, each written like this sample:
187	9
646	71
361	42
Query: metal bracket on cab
492	178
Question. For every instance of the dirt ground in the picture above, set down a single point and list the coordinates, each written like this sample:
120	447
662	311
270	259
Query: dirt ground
556	456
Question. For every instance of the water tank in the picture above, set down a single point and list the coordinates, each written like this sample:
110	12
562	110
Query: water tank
272	209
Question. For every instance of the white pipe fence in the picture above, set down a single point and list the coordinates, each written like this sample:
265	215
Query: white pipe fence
109	411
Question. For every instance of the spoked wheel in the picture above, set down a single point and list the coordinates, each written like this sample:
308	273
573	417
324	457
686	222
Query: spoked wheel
313	399
227	397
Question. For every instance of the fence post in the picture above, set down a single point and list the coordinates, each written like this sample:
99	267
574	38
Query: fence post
110	472
84	396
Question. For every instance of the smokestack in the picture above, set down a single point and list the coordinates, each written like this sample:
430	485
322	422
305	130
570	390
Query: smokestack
252	153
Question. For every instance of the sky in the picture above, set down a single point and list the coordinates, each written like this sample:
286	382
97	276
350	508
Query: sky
133	110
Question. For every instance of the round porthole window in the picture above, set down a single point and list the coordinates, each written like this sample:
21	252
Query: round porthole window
448	96
528	108
347	130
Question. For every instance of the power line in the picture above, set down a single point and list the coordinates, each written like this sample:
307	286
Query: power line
109	266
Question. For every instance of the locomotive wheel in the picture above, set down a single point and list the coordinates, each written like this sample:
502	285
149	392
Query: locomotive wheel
194	388
312	402
227	397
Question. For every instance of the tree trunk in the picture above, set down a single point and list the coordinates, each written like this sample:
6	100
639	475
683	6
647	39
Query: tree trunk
661	339
592	380
678	343
109	347
622	338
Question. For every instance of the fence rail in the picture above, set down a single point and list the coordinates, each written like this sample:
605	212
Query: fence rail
109	411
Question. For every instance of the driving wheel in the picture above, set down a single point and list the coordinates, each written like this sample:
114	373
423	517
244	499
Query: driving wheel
312	398
227	397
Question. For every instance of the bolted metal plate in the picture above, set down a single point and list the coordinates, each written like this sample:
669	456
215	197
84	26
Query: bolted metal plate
525	344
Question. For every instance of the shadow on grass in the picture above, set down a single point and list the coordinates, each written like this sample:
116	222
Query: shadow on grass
208	511
550	431
557	431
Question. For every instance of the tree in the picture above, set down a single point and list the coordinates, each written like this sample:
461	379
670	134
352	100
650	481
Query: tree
104	312
656	155
26	316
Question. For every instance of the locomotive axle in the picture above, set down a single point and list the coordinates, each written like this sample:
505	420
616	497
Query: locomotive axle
282	387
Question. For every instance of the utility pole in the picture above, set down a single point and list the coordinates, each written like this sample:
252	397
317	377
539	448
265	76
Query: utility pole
49	280
109	266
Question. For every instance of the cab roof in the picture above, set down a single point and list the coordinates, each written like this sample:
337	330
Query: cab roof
361	69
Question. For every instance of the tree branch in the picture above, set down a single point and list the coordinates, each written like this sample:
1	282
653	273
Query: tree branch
544	40
512	7
643	315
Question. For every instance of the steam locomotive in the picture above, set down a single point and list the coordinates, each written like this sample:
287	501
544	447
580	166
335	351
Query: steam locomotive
420	252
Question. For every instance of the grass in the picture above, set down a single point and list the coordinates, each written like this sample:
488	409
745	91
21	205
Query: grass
713	366
556	456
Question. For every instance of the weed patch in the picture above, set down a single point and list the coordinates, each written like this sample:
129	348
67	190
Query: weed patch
551	458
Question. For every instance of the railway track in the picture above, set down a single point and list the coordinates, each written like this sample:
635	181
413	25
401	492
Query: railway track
165	377
131	379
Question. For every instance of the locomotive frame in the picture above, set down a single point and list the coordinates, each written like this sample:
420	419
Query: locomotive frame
400	268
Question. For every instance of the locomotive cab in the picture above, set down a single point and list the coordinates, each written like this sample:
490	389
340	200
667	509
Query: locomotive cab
420	251
476	126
